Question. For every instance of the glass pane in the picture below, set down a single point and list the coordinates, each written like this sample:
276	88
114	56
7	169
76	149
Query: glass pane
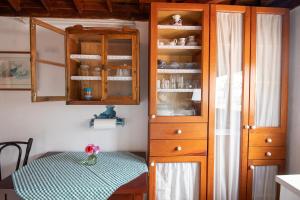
119	52
86	66
263	184
119	82
229	82
50	80
179	70
119	61
268	70
177	181
52	48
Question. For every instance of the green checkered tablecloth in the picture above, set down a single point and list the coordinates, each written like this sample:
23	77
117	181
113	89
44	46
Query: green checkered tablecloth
61	176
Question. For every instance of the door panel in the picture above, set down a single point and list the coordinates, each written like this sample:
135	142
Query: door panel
177	178
261	179
229	94
269	69
179	70
47	62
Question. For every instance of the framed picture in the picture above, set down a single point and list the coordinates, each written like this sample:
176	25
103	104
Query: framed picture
15	71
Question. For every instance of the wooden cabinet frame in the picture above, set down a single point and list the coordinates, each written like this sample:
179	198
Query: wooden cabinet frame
106	34
198	159
155	7
281	169
245	95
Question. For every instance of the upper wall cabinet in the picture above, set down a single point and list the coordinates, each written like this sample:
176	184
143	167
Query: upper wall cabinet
98	66
179	62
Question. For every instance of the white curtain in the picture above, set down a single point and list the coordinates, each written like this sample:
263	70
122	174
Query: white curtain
177	181
228	105
264	185
268	68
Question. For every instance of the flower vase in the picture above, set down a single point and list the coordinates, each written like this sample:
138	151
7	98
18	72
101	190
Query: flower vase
91	160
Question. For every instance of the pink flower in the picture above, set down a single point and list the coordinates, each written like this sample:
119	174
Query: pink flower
92	149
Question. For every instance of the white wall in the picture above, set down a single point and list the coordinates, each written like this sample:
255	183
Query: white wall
294	94
58	127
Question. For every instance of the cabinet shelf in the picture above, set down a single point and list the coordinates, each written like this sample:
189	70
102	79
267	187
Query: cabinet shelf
178	71
174	27
169	49
82	57
98	78
176	90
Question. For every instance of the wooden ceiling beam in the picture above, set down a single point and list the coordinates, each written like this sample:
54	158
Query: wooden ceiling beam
15	4
109	5
79	5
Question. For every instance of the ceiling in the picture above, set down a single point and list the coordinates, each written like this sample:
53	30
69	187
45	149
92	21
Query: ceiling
120	9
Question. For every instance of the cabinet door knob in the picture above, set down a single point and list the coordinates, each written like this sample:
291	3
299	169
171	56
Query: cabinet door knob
269	154
269	140
152	164
153	116
252	167
253	127
246	126
178	131
179	148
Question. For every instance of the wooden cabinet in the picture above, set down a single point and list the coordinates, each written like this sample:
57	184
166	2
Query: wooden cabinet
178	101
106	62
84	65
257	96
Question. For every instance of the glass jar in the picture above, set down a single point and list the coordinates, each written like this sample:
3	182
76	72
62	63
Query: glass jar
84	70
87	93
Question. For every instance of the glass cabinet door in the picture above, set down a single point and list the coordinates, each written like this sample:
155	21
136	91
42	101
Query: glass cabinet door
179	45
120	68
261	179
174	178
268	99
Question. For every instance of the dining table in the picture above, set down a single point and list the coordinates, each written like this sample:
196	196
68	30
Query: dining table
133	190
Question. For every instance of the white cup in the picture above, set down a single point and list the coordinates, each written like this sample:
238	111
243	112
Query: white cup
181	41
177	19
173	42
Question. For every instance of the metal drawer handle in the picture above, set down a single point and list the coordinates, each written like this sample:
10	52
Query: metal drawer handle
252	167
269	154
178	131
269	140
153	116
179	148
253	127
152	164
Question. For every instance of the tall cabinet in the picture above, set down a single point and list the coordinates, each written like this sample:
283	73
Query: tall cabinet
248	101
178	110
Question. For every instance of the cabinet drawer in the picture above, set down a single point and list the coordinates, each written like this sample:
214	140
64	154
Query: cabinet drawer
178	131
256	153
178	147
262	139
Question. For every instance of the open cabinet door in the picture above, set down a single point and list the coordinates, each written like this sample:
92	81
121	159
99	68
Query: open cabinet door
47	47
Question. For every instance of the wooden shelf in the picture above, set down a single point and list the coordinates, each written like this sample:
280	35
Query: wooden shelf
176	90
178	71
82	57
169	49
174	27
98	78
